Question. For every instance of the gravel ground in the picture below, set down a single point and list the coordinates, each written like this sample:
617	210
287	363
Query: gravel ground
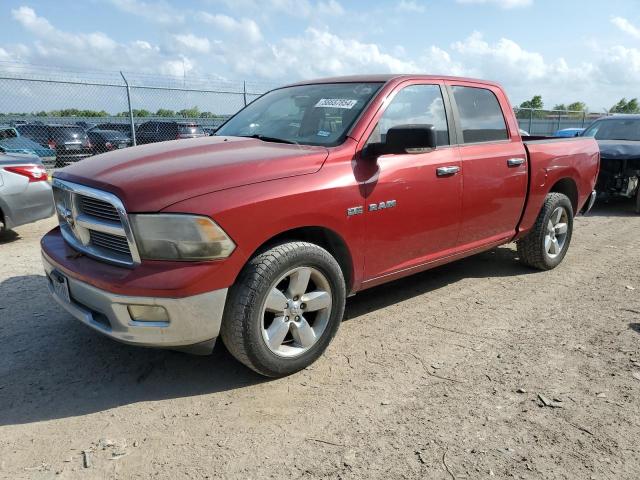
480	368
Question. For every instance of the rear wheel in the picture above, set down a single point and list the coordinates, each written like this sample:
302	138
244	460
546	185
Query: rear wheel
284	309
547	243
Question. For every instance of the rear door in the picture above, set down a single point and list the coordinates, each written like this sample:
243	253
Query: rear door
412	209
494	162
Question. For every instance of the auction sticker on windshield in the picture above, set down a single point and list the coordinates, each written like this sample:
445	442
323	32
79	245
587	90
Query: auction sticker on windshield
336	103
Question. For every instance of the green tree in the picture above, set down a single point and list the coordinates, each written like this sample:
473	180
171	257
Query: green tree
577	107
624	106
536	104
193	112
163	112
560	106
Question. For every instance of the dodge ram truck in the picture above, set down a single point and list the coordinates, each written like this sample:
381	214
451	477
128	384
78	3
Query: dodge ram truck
311	193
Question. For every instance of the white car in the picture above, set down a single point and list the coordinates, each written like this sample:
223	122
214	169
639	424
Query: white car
25	193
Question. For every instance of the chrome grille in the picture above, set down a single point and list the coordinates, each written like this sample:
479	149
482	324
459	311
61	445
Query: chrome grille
95	223
109	241
98	208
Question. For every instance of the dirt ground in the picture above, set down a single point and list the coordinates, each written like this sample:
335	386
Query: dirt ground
443	375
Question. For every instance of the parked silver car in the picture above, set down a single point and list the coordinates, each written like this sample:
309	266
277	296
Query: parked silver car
25	194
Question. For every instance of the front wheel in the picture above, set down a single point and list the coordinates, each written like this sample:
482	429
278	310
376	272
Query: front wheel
547	243
284	309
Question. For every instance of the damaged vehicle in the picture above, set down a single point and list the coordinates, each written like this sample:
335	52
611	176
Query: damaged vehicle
619	139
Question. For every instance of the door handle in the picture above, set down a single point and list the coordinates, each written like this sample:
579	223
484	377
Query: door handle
515	162
447	171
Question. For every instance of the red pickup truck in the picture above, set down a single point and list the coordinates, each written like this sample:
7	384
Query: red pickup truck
311	193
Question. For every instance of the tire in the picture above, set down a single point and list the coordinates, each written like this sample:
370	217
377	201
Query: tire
266	300
542	249
638	200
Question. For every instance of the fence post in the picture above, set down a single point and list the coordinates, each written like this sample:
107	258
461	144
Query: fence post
530	121
559	114
244	92
584	117
132	124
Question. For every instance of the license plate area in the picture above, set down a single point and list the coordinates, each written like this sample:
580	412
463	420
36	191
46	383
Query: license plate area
73	146
60	285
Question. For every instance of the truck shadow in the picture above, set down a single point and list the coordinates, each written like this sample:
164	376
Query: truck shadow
52	367
500	262
614	207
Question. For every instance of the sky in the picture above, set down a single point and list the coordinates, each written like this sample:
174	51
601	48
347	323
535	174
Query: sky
564	50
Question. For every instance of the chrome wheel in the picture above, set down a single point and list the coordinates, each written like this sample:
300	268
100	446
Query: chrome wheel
296	311
556	236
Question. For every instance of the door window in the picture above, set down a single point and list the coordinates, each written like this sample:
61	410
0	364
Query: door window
415	104
481	117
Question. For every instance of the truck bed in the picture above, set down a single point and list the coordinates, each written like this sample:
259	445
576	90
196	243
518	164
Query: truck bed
552	159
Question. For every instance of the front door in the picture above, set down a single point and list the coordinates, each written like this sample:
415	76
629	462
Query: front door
412	200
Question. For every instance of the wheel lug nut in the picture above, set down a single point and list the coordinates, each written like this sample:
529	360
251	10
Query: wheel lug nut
286	319
297	318
295	299
303	306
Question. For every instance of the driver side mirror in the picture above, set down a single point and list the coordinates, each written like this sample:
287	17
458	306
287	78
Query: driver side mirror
403	139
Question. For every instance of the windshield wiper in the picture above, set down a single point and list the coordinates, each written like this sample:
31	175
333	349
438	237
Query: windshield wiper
266	138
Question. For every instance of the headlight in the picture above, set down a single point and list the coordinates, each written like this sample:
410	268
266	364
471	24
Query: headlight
180	237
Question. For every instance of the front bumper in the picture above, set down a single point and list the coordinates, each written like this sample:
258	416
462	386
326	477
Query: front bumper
193	322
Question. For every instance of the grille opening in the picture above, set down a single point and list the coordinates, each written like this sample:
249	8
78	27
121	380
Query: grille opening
111	242
99	209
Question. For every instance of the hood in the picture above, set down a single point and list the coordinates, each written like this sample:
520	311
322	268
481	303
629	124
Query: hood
151	177
619	149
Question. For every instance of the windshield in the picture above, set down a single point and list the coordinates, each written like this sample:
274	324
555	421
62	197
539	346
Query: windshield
318	114
618	129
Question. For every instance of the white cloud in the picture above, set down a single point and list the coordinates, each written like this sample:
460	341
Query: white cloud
410	6
158	11
193	43
52	46
500	3
245	27
330	7
294	8
236	48
626	26
317	53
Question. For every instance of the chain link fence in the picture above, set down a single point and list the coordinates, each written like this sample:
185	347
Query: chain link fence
547	122
43	103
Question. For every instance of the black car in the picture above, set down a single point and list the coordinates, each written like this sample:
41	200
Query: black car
124	128
70	142
156	131
618	137
107	140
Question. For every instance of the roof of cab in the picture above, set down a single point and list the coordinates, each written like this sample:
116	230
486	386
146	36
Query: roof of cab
384	78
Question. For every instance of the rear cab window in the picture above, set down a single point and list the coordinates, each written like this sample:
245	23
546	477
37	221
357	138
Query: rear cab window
480	115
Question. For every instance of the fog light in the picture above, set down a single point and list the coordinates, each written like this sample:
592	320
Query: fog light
148	313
